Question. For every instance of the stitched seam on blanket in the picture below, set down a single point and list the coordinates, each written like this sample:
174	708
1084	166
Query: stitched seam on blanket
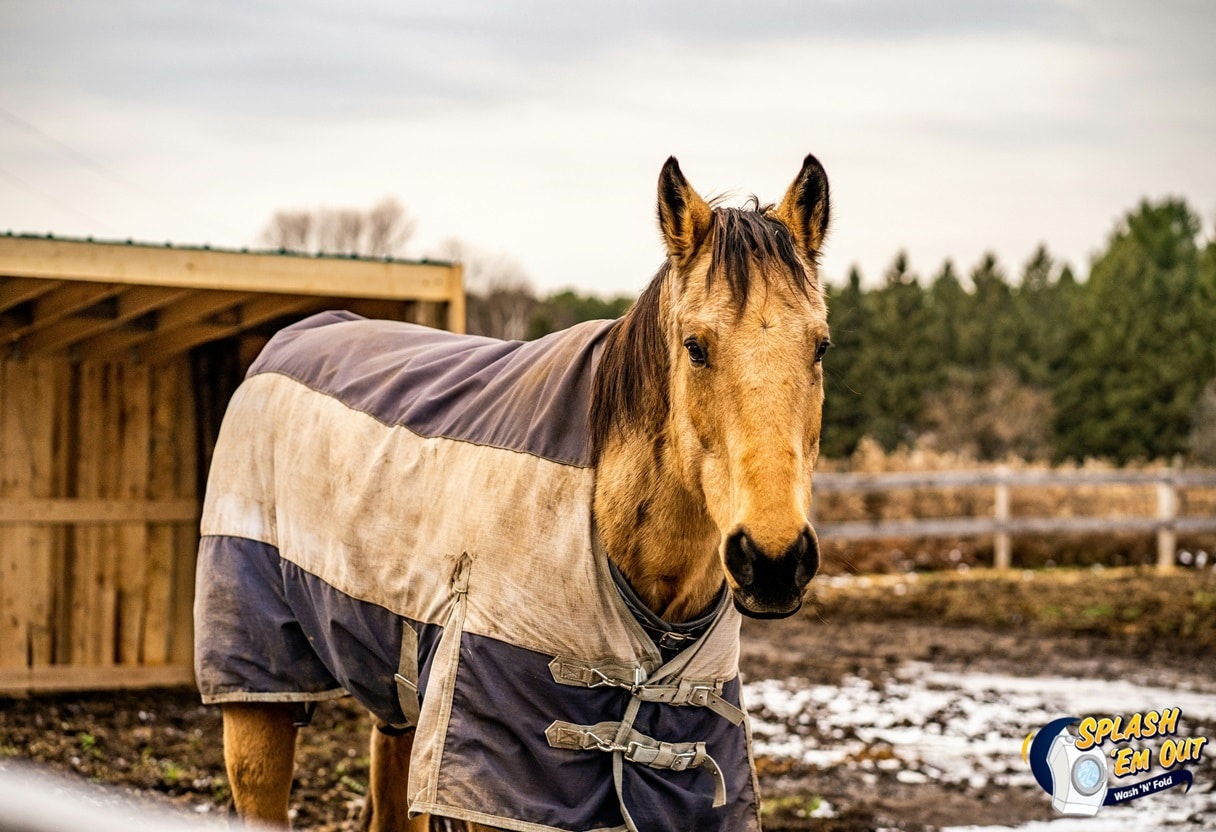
411	429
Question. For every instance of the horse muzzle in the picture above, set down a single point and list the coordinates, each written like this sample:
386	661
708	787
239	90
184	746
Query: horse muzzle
767	586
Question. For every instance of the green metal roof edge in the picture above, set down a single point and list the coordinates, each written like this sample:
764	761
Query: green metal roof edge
281	252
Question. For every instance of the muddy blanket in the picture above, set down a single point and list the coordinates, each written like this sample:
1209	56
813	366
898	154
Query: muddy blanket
403	515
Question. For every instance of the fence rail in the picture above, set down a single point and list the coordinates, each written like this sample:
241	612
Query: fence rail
1002	525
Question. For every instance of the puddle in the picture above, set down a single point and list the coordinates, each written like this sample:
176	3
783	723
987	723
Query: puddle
965	731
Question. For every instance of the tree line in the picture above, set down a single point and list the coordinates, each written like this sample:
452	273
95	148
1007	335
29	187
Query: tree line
1041	364
1121	365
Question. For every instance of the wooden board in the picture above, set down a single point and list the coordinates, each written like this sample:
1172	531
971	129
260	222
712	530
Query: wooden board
58	511
40	430
181	645
62	419
14	577
113	677
133	485
86	540
233	271
166	384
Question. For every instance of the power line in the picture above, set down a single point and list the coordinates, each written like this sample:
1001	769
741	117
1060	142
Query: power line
58	203
161	201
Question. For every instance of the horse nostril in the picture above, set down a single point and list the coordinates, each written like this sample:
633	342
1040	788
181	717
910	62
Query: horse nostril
740	558
806	552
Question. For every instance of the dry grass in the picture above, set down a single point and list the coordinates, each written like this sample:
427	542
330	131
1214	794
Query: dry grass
1138	609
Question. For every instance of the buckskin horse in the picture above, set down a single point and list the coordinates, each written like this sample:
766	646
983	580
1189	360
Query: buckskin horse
528	560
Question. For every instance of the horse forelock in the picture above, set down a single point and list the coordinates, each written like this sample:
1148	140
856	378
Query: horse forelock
751	245
748	245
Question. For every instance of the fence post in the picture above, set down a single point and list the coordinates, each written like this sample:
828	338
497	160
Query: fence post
1003	549
1167	510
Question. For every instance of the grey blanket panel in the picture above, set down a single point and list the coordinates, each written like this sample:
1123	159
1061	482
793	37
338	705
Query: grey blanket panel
248	639
267	627
528	396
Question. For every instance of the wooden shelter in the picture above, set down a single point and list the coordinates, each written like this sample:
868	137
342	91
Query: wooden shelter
116	363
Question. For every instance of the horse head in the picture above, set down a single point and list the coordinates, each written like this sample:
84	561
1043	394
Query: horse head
719	376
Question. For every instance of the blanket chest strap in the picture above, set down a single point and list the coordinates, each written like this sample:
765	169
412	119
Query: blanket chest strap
638	748
696	693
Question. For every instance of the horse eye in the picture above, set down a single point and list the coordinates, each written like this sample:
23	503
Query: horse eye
821	349
696	353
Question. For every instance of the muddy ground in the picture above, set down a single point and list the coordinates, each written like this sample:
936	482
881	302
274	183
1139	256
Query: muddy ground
165	747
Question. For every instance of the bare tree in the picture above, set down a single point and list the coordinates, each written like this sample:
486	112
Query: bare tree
387	228
289	230
381	231
500	301
1203	427
990	416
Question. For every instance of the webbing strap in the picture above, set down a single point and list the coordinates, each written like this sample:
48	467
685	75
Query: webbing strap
687	692
693	693
638	748
407	675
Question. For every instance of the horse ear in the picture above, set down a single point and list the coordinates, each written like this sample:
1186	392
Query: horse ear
684	217
805	209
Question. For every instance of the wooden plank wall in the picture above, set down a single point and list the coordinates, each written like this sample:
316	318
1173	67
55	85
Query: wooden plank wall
100	484
98	523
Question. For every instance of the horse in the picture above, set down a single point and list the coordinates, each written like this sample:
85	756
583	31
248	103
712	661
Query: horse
529	560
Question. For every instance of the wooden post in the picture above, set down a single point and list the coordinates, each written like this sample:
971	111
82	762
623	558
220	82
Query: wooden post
1003	549
456	300
1167	510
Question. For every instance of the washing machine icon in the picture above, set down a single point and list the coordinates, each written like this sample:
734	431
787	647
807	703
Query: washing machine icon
1078	777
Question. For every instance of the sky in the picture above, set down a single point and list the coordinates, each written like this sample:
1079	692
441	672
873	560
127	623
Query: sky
535	131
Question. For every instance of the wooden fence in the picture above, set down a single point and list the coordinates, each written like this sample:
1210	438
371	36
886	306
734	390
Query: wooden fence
1003	526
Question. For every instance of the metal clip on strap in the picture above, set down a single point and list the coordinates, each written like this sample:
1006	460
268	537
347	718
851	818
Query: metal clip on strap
641	749
694	693
698	694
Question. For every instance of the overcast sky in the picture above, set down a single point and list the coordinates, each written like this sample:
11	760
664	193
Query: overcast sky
537	129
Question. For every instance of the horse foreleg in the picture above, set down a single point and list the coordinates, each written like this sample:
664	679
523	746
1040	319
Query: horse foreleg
386	808
259	751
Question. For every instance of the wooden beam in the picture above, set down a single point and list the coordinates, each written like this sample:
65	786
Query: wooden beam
234	271
18	290
92	511
103	677
71	298
164	346
190	308
61	335
116	343
61	303
198	306
133	303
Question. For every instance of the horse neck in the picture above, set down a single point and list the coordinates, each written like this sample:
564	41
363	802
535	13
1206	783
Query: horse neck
653	528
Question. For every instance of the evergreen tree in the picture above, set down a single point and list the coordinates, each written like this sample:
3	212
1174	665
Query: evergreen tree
948	309
988	331
898	364
844	418
1042	304
1140	346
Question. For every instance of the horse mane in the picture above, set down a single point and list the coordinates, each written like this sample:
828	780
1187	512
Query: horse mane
631	382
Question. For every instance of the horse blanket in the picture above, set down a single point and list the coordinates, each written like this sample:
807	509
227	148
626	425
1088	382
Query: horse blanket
404	515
